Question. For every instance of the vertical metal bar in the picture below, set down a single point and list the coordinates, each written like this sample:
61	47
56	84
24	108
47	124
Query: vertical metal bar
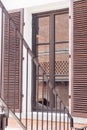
47	84
27	90
70	127
31	119
51	116
64	119
56	112
35	24
71	122
34	92
37	94
34	40
42	98
60	116
67	123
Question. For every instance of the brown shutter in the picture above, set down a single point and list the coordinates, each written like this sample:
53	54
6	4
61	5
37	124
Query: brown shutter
80	59
12	59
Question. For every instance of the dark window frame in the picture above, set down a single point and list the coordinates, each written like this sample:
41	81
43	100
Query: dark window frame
35	16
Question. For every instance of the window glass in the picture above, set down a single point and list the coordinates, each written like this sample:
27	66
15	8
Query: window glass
43	57
61	21
43	33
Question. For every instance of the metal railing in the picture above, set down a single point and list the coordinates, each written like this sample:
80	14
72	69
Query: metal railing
47	109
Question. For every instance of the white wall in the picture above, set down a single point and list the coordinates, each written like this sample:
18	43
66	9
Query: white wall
11	4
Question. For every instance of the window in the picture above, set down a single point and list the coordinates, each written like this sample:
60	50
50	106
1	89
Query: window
50	46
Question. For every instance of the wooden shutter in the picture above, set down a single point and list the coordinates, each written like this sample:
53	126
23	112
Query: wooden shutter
12	61
80	59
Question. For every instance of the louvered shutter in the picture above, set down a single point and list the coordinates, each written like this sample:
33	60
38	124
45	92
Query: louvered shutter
12	62
80	59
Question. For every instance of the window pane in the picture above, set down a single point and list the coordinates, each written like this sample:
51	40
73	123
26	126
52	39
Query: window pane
61	27
42	92
43	33
62	88
43	57
61	61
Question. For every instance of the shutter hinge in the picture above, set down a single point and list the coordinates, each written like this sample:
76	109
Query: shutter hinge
22	95
69	96
24	24
22	58
69	17
69	56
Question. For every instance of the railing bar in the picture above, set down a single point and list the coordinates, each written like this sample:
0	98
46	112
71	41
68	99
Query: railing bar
37	94
71	128
64	118
51	117
31	119
56	112
27	90
47	104
42	98
67	123
71	122
32	110
60	115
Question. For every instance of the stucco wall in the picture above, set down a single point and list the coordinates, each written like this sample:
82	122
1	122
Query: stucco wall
25	3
